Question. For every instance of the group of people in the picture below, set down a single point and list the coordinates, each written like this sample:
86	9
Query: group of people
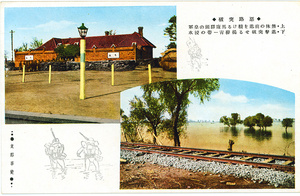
89	151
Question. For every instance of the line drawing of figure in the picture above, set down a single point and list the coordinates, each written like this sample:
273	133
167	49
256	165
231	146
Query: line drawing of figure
194	51
56	154
91	152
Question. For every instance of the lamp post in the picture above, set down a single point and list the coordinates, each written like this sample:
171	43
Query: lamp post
82	32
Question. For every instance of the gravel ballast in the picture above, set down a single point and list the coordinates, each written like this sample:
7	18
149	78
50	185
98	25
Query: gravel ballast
259	175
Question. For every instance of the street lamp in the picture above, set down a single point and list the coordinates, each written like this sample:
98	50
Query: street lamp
82	32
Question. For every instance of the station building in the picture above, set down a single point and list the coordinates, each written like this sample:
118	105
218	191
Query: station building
98	48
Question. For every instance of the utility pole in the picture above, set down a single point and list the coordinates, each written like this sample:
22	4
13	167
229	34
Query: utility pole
12	45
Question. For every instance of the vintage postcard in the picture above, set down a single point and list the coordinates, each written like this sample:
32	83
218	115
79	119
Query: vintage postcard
145	97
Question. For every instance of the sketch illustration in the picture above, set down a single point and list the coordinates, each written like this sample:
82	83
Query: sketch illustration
57	156
91	154
196	58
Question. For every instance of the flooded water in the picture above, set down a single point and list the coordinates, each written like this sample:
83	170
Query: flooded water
216	136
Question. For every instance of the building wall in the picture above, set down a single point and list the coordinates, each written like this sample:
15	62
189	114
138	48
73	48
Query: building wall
37	56
101	54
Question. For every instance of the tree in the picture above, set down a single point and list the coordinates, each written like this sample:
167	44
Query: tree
171	32
258	118
225	120
267	122
235	119
36	43
24	47
287	122
110	32
249	121
148	111
175	96
69	52
129	127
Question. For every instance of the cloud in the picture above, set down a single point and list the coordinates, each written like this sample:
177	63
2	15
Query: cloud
228	98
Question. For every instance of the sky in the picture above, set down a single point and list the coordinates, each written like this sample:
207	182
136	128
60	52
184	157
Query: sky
62	22
234	96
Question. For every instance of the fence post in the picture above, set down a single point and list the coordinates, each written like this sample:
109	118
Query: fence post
149	72
49	74
23	78
112	74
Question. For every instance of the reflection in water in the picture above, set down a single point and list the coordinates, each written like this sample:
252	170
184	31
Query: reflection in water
216	136
287	135
258	135
235	131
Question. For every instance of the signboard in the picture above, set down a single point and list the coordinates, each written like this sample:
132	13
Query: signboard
28	57
111	55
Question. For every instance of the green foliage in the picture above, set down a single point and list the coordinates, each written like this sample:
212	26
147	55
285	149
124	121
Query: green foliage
259	120
249	121
171	32
129	127
287	122
225	120
233	120
23	48
69	52
175	96
267	122
148	111
36	43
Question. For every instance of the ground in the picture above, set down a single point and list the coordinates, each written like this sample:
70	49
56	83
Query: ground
151	176
61	96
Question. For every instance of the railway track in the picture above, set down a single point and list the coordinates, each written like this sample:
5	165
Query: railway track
278	162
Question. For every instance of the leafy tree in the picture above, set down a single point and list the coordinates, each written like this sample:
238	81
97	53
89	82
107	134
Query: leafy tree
129	127
24	47
267	122
175	96
171	32
148	111
287	122
249	121
225	120
110	32
68	52
258	118
36	43
235	119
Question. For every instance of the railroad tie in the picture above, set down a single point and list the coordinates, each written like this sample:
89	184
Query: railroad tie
226	156
200	153
246	158
184	152
268	160
212	155
287	162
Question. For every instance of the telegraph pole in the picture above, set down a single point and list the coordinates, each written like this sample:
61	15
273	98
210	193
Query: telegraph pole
12	45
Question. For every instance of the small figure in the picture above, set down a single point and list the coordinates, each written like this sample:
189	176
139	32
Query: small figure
55	151
194	52
231	142
91	153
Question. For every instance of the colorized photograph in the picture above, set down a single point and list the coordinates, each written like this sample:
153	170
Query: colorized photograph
208	133
69	64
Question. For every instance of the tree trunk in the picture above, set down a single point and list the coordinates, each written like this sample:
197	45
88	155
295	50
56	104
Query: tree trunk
175	124
286	130
155	135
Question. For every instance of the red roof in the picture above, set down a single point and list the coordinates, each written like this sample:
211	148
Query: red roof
125	40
